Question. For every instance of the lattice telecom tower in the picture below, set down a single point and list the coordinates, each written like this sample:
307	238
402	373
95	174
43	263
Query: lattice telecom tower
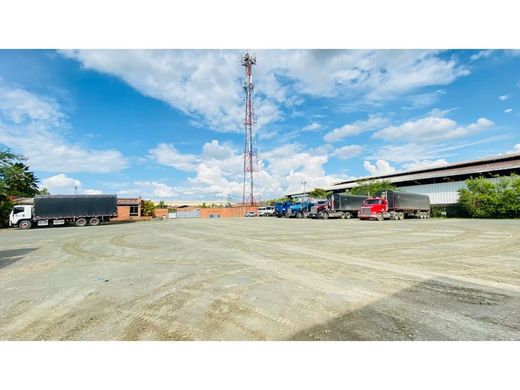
250	154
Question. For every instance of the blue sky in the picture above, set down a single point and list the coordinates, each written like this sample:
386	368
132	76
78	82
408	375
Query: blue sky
167	124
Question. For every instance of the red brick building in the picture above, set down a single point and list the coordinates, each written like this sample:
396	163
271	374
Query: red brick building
128	209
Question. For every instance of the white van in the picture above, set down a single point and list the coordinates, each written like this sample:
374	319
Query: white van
267	211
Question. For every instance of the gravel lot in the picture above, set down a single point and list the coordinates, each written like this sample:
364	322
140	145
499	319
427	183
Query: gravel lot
263	279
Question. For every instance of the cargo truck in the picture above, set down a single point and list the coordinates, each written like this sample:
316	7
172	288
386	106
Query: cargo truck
302	209
395	205
344	206
56	210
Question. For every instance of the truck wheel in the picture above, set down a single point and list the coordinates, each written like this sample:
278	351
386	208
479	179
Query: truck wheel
325	216
94	221
348	215
380	217
299	215
342	216
81	222
401	216
26	224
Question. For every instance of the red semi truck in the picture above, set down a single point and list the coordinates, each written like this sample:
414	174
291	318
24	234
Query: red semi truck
395	205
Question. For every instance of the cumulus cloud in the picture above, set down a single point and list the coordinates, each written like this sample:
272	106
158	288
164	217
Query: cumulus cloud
167	154
206	84
60	182
157	189
350	129
347	151
218	171
431	128
35	127
508	110
381	167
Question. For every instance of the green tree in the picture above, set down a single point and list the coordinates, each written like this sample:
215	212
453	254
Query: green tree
43	191
148	207
371	187
271	202
15	180
161	205
483	198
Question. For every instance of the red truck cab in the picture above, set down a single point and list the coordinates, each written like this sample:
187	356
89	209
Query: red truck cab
373	208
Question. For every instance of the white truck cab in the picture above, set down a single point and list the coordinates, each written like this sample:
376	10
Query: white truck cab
19	213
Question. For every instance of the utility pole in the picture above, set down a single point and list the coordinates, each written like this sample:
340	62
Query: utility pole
75	190
304	183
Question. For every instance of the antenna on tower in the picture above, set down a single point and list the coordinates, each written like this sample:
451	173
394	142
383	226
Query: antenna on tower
250	153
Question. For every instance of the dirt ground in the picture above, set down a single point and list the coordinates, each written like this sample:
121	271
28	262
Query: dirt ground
263	279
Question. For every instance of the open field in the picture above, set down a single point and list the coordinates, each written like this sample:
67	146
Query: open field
263	279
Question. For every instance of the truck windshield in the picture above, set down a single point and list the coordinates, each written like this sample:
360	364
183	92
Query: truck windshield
17	210
373	201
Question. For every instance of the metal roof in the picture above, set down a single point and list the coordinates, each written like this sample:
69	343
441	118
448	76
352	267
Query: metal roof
492	164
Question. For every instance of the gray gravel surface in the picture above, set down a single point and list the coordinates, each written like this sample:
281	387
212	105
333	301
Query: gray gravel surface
263	279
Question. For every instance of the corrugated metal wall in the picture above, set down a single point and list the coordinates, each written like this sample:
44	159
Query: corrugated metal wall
188	214
439	193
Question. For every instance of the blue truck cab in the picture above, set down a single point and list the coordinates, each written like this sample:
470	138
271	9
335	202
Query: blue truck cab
302	209
281	208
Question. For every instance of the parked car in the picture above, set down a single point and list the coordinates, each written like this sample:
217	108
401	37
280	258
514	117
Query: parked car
250	214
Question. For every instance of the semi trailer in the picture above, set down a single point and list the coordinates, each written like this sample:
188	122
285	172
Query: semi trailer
343	206
395	205
58	210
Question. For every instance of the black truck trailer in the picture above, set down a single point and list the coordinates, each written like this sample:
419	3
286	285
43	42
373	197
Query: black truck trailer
53	210
395	205
343	206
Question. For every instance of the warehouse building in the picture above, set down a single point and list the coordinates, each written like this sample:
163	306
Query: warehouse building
442	183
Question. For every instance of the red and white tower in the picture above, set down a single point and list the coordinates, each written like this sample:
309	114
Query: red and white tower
250	154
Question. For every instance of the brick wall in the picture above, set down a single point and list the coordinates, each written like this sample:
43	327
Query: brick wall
123	213
226	212
160	213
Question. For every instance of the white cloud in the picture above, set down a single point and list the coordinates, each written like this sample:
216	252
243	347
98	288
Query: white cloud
481	54
372	123
36	128
421	164
312	127
347	151
516	149
167	154
503	97
60	182
218	171
91	191
206	84
508	110
431	128
157	189
381	167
